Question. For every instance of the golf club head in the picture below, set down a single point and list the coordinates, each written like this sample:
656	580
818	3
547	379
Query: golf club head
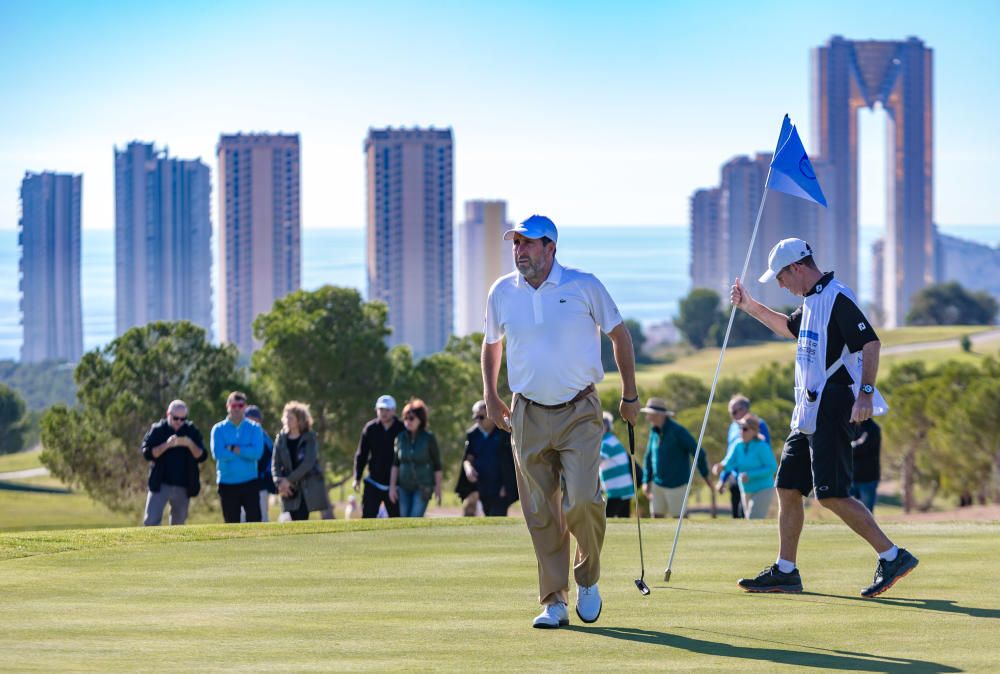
666	576
641	584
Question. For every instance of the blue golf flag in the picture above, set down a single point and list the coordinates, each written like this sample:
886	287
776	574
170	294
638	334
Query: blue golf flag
791	171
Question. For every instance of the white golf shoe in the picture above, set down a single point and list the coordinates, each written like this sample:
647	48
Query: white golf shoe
588	603
552	617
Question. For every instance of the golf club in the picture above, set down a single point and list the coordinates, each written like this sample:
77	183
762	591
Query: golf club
640	582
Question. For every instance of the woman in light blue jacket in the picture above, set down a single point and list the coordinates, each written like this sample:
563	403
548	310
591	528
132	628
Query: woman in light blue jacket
753	462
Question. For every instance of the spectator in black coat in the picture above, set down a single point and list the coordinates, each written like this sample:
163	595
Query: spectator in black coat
867	471
488	464
376	450
174	448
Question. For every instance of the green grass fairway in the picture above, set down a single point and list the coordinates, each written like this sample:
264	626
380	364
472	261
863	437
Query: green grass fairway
460	595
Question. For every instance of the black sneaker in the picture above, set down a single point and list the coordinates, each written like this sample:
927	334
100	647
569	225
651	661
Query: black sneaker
888	574
773	580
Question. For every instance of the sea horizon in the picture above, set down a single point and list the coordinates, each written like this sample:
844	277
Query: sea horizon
645	268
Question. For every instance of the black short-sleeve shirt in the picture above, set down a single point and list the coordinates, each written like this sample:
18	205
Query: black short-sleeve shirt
848	326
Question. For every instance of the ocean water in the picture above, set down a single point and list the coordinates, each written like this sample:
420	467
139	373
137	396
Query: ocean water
644	268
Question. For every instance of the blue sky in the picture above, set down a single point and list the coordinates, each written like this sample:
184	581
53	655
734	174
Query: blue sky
596	113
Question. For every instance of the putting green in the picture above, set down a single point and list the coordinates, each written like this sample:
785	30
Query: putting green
460	595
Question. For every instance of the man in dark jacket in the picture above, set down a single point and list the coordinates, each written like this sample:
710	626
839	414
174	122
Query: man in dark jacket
867	471
174	448
376	450
265	482
488	464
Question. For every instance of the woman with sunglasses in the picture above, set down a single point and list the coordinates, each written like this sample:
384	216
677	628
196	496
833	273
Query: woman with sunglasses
416	470
753	463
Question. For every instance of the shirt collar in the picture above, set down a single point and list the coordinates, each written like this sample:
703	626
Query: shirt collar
554	277
822	283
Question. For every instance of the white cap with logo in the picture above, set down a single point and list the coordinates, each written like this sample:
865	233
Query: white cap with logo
385	402
784	253
534	227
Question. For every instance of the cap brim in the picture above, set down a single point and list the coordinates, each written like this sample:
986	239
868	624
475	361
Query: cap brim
509	234
655	410
767	276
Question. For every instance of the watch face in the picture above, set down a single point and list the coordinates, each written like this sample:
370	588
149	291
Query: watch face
868	388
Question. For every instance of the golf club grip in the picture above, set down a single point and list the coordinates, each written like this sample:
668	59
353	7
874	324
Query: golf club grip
631	439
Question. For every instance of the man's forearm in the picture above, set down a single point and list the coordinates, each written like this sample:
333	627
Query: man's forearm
869	361
775	321
490	362
624	352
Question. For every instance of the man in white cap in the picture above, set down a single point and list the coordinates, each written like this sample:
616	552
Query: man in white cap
376	450
552	317
835	368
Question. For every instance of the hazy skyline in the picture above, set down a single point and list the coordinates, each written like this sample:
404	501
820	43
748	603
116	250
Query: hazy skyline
593	114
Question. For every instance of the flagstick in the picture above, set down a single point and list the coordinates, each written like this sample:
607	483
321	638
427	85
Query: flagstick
711	395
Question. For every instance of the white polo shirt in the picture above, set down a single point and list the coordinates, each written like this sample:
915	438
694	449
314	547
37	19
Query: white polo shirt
553	333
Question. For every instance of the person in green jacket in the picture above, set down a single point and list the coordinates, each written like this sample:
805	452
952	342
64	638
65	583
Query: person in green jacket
667	464
416	468
753	463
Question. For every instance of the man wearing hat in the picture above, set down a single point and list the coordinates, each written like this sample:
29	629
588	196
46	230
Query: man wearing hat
667	465
552	317
835	367
376	450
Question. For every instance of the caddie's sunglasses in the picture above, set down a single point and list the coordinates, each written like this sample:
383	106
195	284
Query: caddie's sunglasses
480	417
237	406
177	418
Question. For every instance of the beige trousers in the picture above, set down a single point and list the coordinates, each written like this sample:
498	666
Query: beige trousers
549	445
667	500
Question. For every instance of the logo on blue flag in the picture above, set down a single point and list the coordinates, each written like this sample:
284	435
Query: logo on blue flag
791	170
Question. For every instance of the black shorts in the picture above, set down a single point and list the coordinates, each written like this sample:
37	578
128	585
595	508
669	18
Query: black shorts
822	461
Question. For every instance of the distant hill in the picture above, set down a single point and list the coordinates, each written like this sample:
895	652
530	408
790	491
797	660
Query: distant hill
40	384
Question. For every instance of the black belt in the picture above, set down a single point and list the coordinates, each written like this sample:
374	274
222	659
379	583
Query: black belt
577	398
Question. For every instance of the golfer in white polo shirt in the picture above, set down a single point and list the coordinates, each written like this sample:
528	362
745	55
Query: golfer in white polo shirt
552	317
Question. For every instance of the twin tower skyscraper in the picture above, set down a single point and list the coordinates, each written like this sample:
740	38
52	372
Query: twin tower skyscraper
163	241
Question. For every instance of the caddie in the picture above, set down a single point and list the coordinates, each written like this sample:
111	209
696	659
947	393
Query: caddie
835	367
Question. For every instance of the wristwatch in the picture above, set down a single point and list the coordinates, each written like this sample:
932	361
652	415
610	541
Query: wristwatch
867	388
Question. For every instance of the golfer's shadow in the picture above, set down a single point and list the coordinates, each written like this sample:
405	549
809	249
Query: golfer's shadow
825	660
943	605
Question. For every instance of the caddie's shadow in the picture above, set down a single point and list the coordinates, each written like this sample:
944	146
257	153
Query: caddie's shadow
943	605
824	659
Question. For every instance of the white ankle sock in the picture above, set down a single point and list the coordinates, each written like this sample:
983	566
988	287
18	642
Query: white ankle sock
890	554
784	565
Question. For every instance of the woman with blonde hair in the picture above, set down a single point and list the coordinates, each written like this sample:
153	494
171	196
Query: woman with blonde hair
297	470
416	469
752	462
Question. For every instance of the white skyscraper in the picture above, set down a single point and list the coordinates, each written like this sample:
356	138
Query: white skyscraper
483	257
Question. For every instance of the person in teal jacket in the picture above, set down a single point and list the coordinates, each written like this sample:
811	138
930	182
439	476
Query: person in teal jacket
237	444
753	463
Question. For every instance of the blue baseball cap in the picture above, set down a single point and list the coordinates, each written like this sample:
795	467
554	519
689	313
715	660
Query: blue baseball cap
534	227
